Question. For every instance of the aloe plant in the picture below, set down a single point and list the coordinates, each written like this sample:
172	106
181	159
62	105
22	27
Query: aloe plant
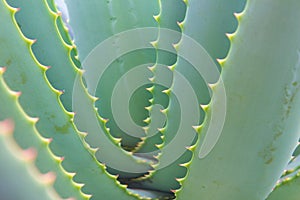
165	99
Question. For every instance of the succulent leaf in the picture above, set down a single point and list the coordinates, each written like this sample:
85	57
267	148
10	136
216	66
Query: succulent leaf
139	99
27	137
17	172
253	149
288	189
43	102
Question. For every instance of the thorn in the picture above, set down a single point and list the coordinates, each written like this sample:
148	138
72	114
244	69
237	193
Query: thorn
180	24
149	108
176	47
29	154
94	150
71	113
103	119
172	67
81	71
72	174
151	68
180	179
221	61
173	191
33	41
150	89
238	15
151	101
48	178
117	140
146	129
191	148
60	92
230	36
147	120
2	70
84	134
181	165
197	128
6	127
79	185
167	91
151	79
156	17
204	107
47	67
154	44
16	94
94	98
161	129
164	111
212	85
48	140
158	146
186	1
33	119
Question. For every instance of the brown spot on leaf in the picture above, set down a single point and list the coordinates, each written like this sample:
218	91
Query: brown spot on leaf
267	154
8	62
23	79
63	129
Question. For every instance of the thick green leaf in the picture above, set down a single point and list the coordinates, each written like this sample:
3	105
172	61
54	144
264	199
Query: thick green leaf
261	129
17	171
92	23
26	136
288	189
39	99
48	45
209	32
